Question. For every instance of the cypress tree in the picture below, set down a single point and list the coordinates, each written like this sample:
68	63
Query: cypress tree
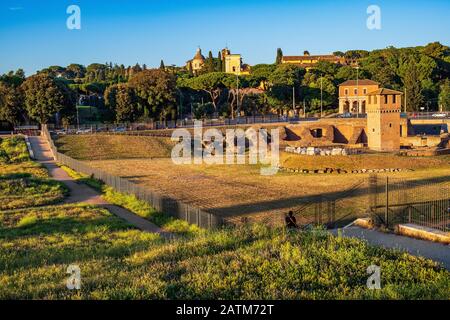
210	65
162	66
279	56
219	64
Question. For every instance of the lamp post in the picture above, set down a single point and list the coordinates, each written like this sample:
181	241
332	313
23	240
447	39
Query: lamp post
357	91
237	94
293	100
321	95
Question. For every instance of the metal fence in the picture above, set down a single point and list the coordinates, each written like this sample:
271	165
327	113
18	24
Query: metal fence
333	209
166	205
185	123
423	202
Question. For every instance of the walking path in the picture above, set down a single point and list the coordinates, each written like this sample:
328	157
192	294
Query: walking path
81	193
431	250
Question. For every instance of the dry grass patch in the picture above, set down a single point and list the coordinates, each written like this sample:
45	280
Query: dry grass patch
102	146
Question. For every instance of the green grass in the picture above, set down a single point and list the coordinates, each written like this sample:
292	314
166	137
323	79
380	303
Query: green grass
252	262
139	207
13	150
22	182
21	191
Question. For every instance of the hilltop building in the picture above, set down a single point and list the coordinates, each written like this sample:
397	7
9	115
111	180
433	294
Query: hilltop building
233	63
197	63
308	61
353	93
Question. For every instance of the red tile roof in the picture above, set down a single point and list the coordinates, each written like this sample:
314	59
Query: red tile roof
362	82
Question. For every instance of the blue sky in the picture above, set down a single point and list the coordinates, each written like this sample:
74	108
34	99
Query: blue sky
33	33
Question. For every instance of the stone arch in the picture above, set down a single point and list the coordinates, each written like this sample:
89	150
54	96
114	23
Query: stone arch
363	107
346	106
354	106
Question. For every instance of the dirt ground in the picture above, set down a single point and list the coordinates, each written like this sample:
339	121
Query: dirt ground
240	190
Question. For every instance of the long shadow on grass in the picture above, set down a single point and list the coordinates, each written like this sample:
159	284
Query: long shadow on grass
291	202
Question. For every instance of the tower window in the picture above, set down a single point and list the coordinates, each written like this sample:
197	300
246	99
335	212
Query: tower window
355	91
394	98
386	99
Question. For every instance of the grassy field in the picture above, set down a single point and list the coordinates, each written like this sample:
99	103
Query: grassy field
98	147
116	261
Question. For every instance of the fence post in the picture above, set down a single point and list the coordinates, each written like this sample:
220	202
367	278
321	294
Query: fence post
386	214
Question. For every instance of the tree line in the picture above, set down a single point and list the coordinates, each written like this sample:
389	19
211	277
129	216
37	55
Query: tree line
138	93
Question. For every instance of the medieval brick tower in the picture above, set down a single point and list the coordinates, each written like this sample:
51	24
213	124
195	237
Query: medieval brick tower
383	120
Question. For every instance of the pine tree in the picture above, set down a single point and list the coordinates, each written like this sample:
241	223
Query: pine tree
162	66
279	56
413	88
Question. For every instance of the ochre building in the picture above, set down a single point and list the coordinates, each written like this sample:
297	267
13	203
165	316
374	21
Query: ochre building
383	120
353	95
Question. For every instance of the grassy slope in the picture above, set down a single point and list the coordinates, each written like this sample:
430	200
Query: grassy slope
116	261
24	183
98	147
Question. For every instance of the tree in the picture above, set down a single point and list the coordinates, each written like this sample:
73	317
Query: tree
156	92
279	56
211	83
162	66
436	50
261	74
13	78
444	95
283	79
126	103
210	63
75	71
44	97
414	98
11	101
219	62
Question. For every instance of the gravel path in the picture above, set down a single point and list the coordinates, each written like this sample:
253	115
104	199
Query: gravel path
81	193
431	250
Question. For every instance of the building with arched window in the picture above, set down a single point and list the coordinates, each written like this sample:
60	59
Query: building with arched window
353	95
